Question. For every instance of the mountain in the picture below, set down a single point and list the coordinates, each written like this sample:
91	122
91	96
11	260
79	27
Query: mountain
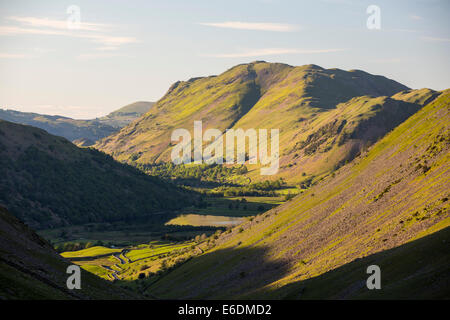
325	116
83	132
388	207
69	128
47	181
31	269
127	114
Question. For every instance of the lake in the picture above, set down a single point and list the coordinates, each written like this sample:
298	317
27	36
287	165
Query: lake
199	220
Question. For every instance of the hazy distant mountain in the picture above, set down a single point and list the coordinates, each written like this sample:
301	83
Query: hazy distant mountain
83	132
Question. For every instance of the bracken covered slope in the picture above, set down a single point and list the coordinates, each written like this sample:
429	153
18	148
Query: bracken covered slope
325	116
389	207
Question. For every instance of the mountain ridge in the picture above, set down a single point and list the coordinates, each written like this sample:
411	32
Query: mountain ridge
263	95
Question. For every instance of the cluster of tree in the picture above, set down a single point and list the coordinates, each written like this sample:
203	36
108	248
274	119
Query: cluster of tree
265	188
201	172
74	246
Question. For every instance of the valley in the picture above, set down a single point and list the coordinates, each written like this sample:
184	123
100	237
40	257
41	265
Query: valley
363	178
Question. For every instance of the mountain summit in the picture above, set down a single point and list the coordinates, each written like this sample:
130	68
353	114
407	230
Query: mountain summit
325	116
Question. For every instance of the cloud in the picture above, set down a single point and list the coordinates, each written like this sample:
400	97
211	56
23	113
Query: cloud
13	56
107	48
57	24
436	39
89	56
271	52
42	26
401	30
259	26
12	30
389	60
415	17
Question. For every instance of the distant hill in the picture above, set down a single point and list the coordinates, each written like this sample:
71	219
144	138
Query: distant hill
389	207
47	181
31	269
127	114
86	131
326	116
133	109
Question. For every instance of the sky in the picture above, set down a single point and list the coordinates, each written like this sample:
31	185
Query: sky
84	59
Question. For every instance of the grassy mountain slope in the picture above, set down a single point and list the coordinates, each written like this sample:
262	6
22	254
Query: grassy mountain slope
300	101
126	114
84	132
388	207
31	269
47	181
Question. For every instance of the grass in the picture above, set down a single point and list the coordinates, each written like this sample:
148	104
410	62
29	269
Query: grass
321	113
312	237
143	258
89	252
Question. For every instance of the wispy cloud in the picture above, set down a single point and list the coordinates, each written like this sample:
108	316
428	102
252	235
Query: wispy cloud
89	56
436	39
390	60
259	26
271	52
42	26
400	30
57	24
13	56
415	17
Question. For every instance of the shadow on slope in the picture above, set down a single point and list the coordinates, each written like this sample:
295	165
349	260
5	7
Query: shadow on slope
419	269
224	273
31	269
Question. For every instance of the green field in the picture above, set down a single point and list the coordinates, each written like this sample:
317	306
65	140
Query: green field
90	252
128	262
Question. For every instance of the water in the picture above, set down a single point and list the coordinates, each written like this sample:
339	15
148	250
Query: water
199	220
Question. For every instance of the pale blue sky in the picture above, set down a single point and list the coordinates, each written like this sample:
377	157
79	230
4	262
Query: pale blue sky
127	51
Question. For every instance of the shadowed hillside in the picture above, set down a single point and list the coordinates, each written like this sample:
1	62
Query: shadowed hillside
385	207
47	181
416	270
31	269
